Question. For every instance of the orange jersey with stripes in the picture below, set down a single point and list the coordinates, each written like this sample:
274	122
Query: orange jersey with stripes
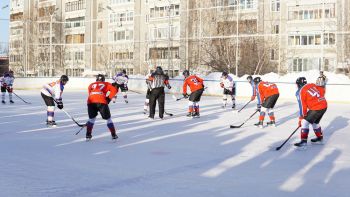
310	97
99	90
195	83
266	89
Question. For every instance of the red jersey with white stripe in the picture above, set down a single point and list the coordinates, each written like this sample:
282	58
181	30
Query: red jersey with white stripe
266	89
99	90
310	97
195	83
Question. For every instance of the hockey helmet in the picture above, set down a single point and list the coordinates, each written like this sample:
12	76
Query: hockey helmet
159	70
64	79
100	77
257	80
250	78
186	73
301	81
224	74
124	71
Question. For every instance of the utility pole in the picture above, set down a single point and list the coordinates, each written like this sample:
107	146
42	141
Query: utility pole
237	40
169	41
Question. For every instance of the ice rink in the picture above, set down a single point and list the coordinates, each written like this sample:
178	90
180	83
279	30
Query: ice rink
177	157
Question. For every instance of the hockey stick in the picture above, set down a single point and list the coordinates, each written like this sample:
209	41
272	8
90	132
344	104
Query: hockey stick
80	130
80	125
135	91
239	126
169	114
278	148
244	106
21	98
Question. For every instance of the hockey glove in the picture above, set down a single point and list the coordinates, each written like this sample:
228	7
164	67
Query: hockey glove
185	95
252	98
258	108
126	87
221	85
59	105
168	86
299	122
108	100
9	89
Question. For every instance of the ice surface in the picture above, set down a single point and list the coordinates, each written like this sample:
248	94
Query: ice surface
177	156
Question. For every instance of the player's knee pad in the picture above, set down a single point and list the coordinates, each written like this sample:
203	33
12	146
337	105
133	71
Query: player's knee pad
224	97
50	108
305	124
316	126
109	121
264	110
147	101
92	120
190	103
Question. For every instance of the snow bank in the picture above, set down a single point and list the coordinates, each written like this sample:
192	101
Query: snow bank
338	88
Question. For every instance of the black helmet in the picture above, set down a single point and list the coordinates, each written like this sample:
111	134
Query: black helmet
186	73
100	77
257	80
159	70
224	74
64	79
250	78
124	71
301	81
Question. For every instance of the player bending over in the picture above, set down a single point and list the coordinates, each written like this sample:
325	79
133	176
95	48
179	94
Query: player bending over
197	87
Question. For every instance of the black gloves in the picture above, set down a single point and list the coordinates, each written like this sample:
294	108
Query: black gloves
108	100
185	95
168	86
59	105
258	108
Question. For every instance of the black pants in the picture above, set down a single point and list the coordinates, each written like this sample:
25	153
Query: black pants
48	100
157	94
196	95
270	101
94	108
315	116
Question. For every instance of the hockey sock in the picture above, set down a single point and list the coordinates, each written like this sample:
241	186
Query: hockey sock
110	126
196	107
10	96
50	113
271	115
145	107
233	97
224	100
90	125
262	113
304	134
190	106
125	96
3	96
317	130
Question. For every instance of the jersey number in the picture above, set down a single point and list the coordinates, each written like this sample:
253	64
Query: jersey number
195	81
314	92
101	86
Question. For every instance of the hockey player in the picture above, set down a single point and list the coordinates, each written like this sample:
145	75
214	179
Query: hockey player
156	83
322	82
251	82
267	94
6	85
148	93
121	81
53	92
197	87
98	102
312	106
229	86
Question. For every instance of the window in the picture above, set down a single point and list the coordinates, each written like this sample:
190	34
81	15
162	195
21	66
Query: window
275	29
275	5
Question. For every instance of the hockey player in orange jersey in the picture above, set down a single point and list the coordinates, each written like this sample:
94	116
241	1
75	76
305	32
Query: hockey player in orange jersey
197	87
267	94
100	95
312	106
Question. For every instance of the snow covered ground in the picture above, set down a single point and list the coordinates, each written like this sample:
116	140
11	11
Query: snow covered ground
177	156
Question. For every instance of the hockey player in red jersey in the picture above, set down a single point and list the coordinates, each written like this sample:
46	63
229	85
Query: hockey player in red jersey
267	94
100	95
197	87
312	106
53	92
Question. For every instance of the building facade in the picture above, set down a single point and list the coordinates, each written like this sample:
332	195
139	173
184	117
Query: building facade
83	37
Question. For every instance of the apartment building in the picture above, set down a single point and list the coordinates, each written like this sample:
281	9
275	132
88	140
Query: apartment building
78	37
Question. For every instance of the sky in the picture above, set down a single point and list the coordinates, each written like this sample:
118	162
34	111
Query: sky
4	24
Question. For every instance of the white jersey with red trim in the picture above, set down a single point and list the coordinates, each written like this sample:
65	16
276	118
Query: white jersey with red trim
53	90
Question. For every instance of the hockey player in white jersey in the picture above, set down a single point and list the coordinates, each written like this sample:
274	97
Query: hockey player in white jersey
6	85
227	83
121	81
53	92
